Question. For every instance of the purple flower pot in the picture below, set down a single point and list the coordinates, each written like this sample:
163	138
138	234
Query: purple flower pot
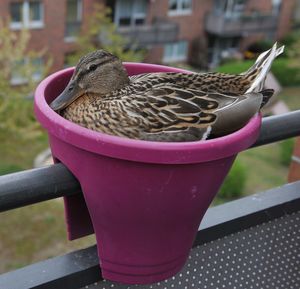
144	200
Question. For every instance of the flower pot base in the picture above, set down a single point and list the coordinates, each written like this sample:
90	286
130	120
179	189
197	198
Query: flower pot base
141	274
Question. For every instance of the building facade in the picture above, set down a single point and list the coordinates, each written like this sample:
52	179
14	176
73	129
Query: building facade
171	30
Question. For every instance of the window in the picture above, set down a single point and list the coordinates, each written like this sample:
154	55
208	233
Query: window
19	77
180	7
175	52
276	5
130	12
27	14
231	8
16	12
74	18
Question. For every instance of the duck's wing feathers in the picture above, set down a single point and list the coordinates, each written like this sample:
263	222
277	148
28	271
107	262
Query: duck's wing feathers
171	113
139	77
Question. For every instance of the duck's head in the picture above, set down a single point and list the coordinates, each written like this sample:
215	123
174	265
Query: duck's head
97	73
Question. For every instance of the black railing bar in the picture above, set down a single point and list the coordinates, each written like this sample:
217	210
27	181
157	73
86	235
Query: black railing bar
37	185
279	127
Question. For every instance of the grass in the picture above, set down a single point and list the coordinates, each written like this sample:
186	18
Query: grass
291	96
18	153
264	170
235	67
35	233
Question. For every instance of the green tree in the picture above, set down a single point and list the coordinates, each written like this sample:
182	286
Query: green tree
101	33
16	113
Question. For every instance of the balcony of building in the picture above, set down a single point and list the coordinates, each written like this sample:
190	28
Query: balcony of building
226	25
132	22
159	32
231	18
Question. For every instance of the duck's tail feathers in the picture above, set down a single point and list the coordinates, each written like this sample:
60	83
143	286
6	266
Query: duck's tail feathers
267	94
258	72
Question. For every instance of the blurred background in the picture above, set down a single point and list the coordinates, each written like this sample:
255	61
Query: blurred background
39	37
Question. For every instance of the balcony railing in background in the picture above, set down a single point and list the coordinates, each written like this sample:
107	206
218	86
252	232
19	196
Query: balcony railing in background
223	25
150	34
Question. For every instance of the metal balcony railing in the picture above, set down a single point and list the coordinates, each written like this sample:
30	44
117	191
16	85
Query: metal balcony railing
220	24
156	33
258	236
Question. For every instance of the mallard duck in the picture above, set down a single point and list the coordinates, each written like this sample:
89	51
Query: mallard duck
162	106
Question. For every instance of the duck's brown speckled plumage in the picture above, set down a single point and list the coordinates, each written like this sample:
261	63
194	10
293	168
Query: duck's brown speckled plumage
172	106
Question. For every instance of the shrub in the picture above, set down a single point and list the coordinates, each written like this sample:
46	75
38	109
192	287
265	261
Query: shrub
260	46
234	183
286	74
286	151
290	39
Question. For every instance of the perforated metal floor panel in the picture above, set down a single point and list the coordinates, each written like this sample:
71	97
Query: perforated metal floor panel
266	256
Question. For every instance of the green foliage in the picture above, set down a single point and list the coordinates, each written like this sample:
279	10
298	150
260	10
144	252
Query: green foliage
287	74
101	33
286	151
17	116
9	168
234	184
290	39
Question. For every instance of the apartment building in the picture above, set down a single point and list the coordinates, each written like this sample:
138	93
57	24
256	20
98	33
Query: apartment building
171	30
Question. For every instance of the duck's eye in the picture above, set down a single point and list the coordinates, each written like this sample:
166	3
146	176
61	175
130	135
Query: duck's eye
92	67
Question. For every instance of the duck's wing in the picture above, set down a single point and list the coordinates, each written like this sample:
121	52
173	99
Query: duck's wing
140	77
170	113
234	116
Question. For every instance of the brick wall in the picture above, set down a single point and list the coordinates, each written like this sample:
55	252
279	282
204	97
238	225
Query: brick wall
286	17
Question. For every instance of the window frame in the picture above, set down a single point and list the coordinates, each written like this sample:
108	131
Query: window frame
25	16
179	10
133	16
79	17
175	57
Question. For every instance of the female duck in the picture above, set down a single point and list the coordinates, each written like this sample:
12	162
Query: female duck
162	106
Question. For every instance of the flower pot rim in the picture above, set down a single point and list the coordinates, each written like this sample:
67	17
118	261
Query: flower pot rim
139	150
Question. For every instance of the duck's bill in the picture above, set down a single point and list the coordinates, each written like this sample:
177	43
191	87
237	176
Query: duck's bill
69	95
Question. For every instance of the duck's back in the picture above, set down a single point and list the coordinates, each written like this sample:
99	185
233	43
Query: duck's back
208	82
